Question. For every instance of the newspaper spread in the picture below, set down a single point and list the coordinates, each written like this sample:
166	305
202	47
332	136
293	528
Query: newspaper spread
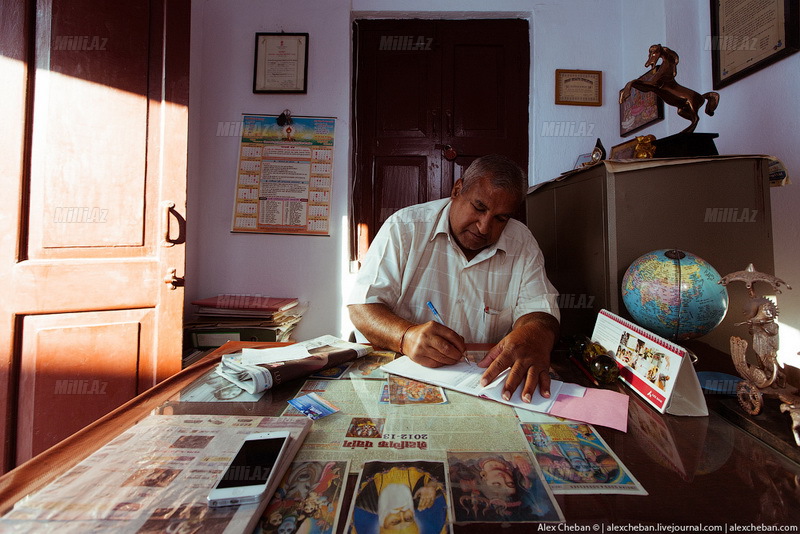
154	477
370	427
257	370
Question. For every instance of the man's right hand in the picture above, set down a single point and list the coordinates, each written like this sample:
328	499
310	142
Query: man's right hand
433	345
430	344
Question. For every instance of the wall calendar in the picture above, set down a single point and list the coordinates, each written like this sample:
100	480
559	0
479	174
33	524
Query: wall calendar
284	175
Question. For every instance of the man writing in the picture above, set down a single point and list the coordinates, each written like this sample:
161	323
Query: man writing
481	269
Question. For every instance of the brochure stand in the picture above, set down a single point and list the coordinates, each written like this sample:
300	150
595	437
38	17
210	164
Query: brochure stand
655	368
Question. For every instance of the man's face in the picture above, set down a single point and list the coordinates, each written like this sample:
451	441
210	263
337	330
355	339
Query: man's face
479	214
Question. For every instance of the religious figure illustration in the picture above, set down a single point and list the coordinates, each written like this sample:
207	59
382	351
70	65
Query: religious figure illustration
661	81
401	497
498	487
307	500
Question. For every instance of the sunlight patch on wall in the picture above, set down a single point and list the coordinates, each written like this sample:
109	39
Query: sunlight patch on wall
347	278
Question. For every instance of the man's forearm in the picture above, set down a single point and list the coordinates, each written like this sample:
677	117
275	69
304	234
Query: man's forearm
380	325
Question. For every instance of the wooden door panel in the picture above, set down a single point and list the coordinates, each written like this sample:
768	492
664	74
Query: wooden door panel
88	192
399	182
94	223
75	368
73	285
403	97
89	140
478	108
423	85
485	88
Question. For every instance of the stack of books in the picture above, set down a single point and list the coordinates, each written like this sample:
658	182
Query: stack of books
233	317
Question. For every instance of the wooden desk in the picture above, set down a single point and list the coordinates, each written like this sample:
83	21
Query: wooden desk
699	470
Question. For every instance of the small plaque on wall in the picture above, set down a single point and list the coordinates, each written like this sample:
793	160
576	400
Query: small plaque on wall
579	87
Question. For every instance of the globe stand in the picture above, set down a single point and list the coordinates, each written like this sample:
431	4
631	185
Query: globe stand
766	375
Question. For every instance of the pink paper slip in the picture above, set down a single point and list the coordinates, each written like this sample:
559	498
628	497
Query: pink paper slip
596	406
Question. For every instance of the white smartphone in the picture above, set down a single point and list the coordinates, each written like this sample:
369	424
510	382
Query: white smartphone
251	470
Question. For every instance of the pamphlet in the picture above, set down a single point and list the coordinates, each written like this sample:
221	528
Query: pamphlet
309	499
576	460
596	406
465	377
313	406
499	488
411	493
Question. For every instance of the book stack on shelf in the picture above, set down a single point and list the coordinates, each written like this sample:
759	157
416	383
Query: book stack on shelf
232	317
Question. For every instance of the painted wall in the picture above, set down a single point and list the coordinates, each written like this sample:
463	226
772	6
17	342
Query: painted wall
219	261
611	36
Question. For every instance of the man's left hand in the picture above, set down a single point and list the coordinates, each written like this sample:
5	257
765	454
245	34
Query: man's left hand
526	352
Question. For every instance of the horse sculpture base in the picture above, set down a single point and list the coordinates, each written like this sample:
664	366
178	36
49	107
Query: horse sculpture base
686	145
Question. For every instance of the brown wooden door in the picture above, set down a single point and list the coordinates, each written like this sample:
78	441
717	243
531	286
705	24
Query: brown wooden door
422	88
93	172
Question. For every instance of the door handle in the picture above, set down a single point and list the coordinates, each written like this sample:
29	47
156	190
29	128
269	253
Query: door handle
448	151
166	206
172	280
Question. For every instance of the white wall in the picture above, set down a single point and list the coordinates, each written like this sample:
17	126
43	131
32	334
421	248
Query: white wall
218	261
756	115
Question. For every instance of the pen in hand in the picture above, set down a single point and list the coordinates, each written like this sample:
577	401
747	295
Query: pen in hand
438	319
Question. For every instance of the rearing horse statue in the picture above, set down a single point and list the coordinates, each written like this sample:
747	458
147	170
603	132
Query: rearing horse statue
661	81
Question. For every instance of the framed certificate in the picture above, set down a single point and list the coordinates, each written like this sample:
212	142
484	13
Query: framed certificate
748	35
579	87
281	63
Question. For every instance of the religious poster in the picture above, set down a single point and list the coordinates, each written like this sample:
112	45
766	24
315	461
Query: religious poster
284	175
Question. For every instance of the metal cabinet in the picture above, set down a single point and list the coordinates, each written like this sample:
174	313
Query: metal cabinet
593	223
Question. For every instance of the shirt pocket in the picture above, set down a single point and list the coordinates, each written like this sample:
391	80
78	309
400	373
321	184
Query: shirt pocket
496	323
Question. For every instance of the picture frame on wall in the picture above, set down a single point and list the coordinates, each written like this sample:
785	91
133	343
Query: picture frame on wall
748	35
626	150
281	63
639	110
579	87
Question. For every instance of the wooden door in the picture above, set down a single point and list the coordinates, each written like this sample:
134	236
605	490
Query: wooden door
93	172
430	97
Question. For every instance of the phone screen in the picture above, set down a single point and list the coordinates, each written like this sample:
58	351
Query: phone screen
253	463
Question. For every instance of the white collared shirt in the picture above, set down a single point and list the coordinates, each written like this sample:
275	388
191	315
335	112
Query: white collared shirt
414	259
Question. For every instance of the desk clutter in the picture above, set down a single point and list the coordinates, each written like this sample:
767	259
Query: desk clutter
445	456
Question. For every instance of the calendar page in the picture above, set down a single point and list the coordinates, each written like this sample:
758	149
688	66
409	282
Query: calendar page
284	176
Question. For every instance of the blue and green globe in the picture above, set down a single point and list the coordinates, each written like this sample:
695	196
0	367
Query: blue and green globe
674	294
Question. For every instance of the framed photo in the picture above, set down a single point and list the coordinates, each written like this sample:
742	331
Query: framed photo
579	87
281	63
623	150
639	110
748	35
583	160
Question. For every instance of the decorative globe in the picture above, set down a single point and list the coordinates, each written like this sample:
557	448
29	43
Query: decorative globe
674	294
